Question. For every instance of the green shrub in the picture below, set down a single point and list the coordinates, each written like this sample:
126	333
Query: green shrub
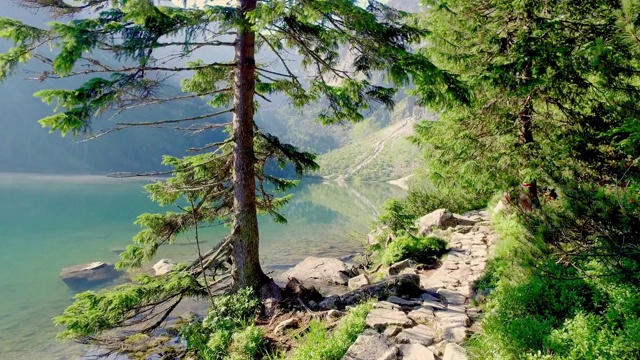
411	247
545	307
318	344
225	331
246	344
396	216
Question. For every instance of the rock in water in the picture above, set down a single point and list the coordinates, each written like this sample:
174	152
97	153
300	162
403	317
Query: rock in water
85	276
163	267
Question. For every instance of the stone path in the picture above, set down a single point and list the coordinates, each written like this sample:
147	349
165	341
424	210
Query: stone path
432	326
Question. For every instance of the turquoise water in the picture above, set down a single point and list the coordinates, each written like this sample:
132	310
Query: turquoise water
50	222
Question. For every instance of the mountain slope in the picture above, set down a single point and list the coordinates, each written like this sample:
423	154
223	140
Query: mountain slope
380	154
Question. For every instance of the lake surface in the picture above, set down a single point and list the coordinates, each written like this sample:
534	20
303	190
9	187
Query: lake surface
51	222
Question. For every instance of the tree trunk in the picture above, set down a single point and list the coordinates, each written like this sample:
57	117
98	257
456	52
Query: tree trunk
244	233
528	190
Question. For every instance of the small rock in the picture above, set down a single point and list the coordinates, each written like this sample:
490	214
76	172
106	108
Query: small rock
453	332
416	352
462	220
386	305
428	297
163	266
416	335
422	315
330	302
358	282
286	324
371	346
402	302
462	229
334	314
452	315
396	268
454	352
379	319
453	297
392	331
189	316
374	236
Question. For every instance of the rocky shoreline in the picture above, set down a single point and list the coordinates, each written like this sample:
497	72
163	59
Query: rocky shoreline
418	315
420	312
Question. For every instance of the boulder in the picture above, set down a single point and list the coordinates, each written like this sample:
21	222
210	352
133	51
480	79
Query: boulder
371	346
441	219
314	271
88	275
163	266
358	282
454	352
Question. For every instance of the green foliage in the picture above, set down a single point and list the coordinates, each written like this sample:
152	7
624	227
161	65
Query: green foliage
543	307
24	37
319	344
94	312
572	82
226	332
246	344
394	215
418	248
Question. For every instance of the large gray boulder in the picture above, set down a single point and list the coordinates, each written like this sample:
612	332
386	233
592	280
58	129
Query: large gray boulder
441	219
88	275
314	271
371	346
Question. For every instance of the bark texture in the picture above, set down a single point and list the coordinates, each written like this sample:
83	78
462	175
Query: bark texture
244	233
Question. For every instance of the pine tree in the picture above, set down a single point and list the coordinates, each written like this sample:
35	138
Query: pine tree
226	181
555	98
554	87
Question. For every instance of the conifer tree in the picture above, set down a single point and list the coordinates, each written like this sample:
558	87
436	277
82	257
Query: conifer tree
555	89
225	181
555	98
